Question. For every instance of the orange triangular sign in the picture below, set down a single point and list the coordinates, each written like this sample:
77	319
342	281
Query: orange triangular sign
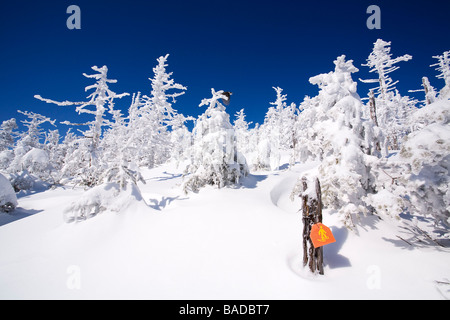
321	235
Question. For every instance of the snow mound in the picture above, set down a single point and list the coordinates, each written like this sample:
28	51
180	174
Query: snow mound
8	199
105	197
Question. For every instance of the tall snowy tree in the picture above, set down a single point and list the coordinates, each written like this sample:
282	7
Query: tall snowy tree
381	62
88	157
344	141
242	131
180	139
215	159
7	142
443	67
271	134
153	116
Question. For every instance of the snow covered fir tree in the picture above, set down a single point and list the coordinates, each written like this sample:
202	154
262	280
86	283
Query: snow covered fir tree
215	157
384	154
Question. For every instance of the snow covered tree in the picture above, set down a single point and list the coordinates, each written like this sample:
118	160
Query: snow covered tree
270	134
342	140
28	152
242	134
416	180
430	92
380	61
86	160
180	139
117	154
6	134
443	67
7	142
215	159
160	108
152	117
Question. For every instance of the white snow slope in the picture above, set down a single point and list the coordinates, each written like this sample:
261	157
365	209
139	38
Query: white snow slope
232	243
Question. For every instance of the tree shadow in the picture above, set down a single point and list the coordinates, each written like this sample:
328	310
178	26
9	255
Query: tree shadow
164	202
18	214
413	237
252	180
331	254
169	176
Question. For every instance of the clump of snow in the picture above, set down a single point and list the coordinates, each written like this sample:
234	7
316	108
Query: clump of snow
8	199
36	160
105	197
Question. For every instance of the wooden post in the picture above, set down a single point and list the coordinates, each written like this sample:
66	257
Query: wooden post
312	214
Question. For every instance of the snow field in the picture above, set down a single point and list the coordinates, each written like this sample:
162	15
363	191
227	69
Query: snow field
230	243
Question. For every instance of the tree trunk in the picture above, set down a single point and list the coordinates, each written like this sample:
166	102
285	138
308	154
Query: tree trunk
373	114
373	108
312	214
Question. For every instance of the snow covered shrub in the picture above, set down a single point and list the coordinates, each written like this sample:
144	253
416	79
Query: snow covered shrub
215	159
416	179
37	162
105	197
8	199
28	152
426	155
342	140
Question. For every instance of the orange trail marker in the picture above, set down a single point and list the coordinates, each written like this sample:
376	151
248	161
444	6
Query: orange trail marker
321	235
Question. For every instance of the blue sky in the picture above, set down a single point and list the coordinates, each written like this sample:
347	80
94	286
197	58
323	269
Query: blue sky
243	46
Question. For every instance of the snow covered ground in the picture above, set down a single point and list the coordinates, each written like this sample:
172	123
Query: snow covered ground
232	243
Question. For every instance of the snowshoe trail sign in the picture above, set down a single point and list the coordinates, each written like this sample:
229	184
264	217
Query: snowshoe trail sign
321	235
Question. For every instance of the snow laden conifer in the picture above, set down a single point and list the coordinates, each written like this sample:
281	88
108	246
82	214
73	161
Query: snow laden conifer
151	117
426	157
416	180
29	154
443	67
390	115
85	162
117	155
180	139
273	134
342	140
7	135
242	132
215	159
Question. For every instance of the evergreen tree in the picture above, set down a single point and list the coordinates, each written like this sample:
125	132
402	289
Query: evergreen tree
443	67
380	61
215	159
86	159
344	141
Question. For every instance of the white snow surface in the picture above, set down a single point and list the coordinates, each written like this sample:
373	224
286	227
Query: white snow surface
230	243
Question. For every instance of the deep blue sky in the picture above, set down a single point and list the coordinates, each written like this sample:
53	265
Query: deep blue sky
241	46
